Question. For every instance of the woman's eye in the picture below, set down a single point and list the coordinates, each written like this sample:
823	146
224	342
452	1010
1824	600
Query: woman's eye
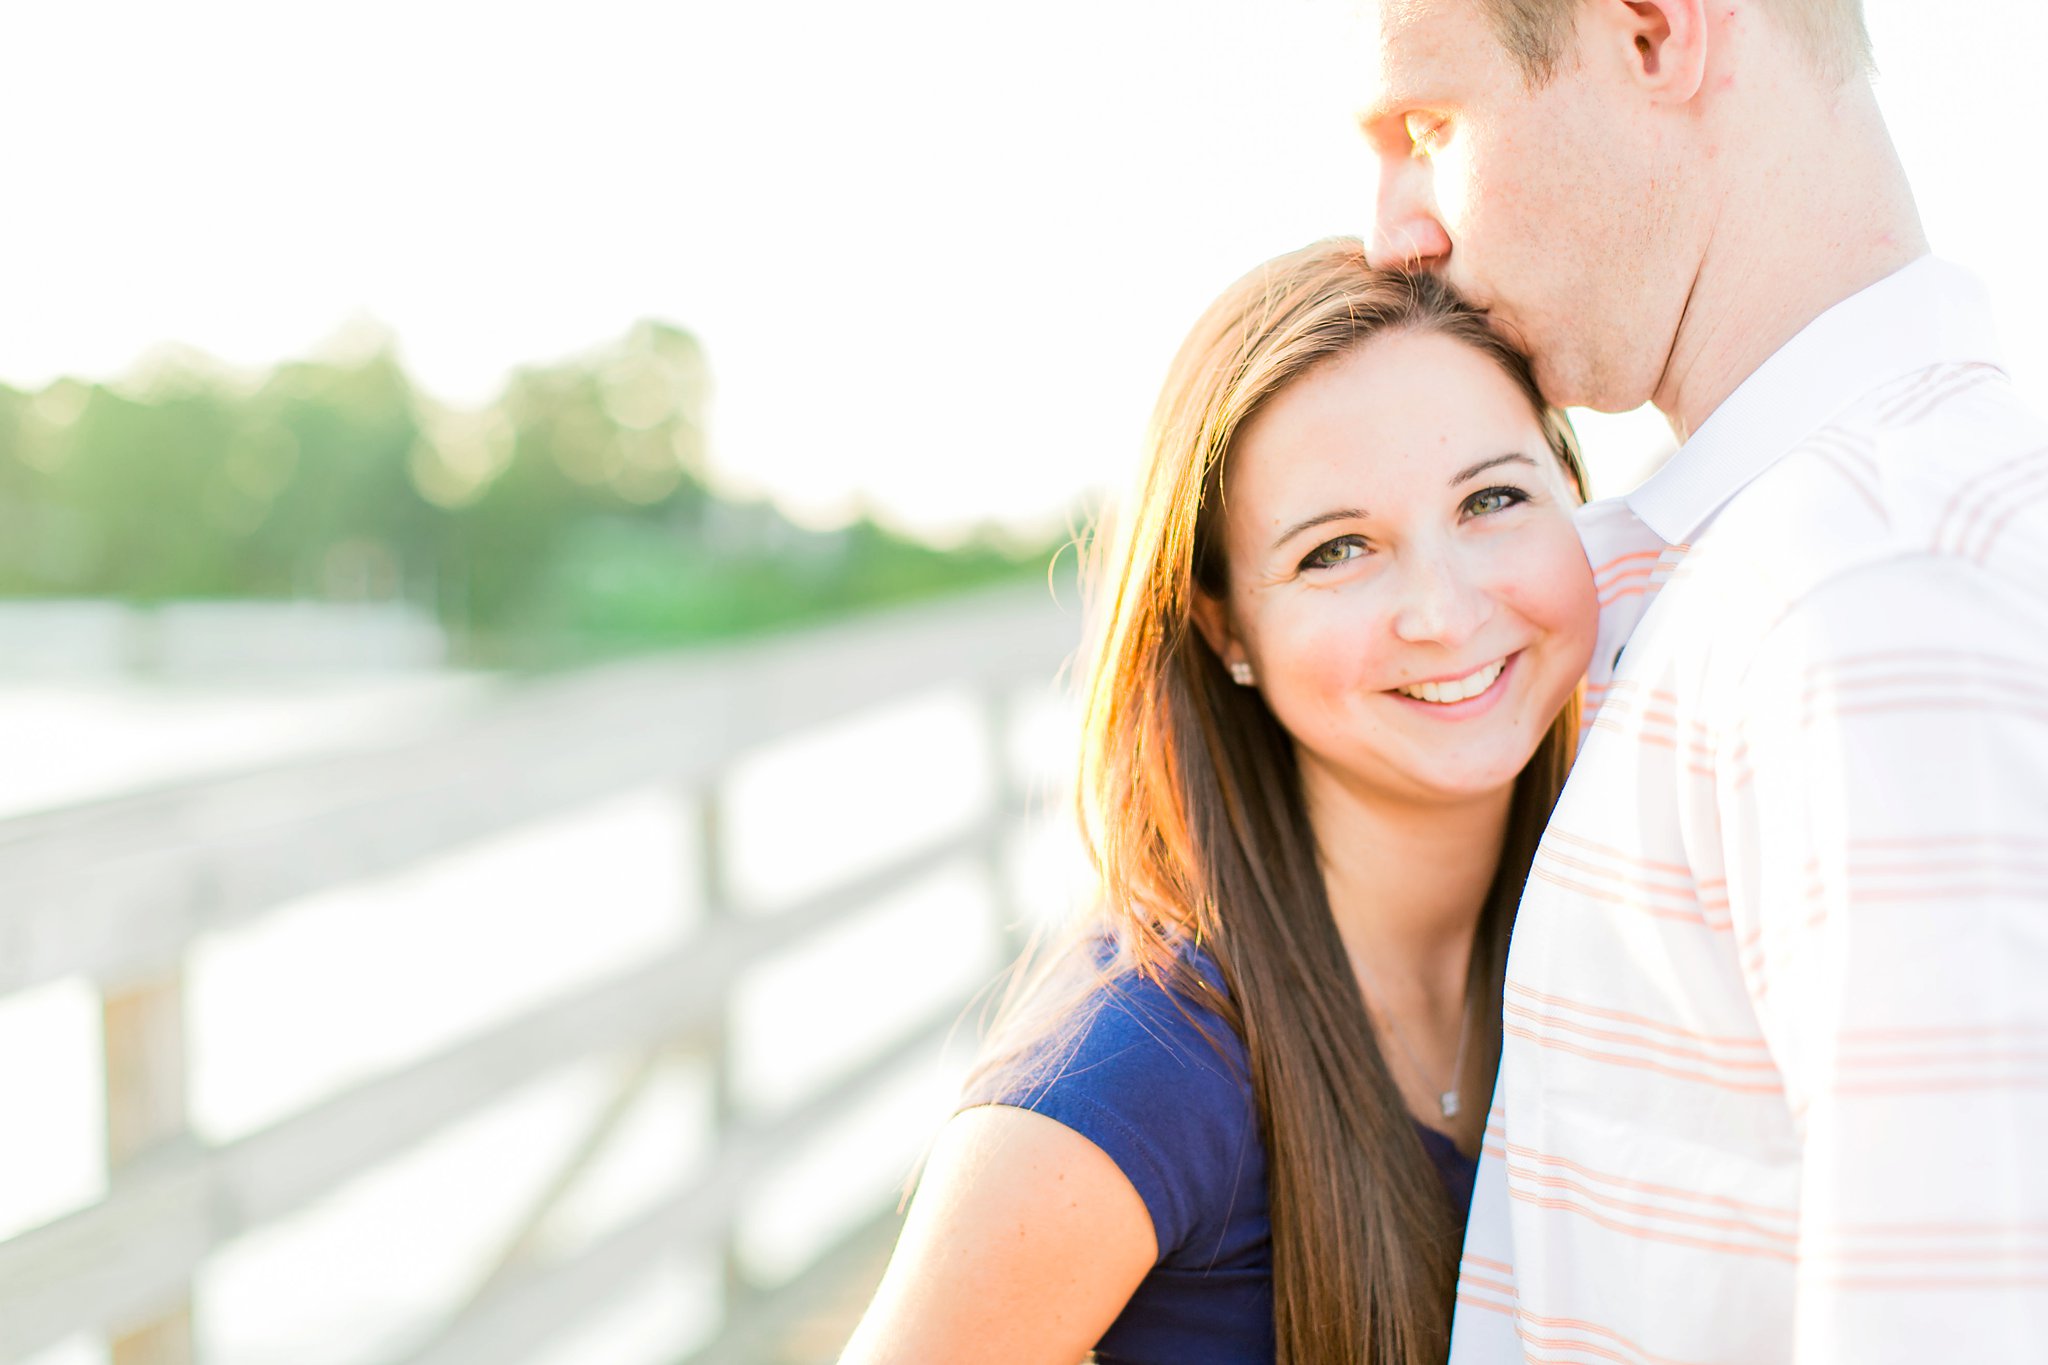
1331	553
1425	133
1487	501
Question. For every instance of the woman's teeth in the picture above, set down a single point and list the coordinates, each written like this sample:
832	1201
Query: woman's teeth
1457	690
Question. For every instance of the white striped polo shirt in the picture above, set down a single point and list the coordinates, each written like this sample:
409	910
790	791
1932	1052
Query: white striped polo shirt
1775	1083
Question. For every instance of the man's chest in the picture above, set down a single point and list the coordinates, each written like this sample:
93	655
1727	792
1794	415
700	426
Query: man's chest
1629	994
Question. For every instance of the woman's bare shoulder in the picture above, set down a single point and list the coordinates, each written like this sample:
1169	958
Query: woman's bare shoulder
1023	1244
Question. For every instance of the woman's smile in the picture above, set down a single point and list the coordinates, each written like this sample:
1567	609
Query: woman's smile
1461	697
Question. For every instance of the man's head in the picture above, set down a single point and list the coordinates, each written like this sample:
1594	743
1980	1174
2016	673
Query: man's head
1566	163
1539	34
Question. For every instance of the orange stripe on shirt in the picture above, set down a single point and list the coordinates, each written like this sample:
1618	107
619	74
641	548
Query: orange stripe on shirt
1927	1256
1623	1017
1970	496
1638	685
1689	892
1934	401
1650	1234
1787	1214
1913	390
1996	531
1856	481
1631	558
1482	1282
1529	1341
2026	862
1997	492
1932	1086
1643	1064
2031	844
2015	1029
1881	658
1623	594
1932	393
1597	1329
1697	915
1554	834
1835	686
1989	1231
1671	1049
1891	1284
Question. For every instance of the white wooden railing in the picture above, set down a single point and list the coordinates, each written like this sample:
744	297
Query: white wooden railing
118	890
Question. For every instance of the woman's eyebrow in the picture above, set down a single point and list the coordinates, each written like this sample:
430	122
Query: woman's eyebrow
1334	514
1476	470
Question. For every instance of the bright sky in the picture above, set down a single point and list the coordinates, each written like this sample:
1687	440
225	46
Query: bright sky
940	252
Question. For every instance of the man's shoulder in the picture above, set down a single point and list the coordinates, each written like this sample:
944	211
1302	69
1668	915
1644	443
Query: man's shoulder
1931	490
1945	467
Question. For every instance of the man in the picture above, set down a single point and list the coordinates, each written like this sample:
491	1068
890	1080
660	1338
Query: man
1776	1073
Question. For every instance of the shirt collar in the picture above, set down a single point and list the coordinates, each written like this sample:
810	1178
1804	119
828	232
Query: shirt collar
1927	313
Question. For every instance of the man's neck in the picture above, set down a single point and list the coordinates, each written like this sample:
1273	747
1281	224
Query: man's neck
1791	242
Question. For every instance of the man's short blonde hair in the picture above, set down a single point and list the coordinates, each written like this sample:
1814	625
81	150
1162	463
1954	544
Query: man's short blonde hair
1538	33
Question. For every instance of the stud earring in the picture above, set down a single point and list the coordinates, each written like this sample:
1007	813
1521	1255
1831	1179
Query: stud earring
1241	673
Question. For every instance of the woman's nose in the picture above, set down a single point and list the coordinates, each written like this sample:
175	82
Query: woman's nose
1441	603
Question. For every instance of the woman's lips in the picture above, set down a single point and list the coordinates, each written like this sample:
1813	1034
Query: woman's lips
1469	706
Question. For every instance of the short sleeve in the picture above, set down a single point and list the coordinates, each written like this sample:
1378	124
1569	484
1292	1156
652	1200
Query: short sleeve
1141	1081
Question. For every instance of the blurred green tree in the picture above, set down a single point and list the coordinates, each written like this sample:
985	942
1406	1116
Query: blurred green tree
572	516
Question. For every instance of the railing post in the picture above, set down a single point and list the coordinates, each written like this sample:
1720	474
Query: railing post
143	1034
714	887
1008	796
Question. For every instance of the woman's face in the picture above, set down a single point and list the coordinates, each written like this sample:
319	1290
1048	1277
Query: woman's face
1405	580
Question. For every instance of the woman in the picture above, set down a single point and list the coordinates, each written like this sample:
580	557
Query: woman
1332	703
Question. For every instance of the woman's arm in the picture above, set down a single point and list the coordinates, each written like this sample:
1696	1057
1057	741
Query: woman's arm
1023	1244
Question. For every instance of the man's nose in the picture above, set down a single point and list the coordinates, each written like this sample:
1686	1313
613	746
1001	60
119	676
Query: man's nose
1405	230
1441	602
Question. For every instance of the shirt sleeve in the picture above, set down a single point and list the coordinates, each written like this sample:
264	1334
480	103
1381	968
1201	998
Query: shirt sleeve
1142	1082
1882	785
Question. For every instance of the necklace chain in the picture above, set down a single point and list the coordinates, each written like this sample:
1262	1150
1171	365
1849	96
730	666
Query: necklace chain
1447	1097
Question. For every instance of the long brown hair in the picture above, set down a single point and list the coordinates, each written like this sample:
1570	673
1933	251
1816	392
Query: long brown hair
1193	812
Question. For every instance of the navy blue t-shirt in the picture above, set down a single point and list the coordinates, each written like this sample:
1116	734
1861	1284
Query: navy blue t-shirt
1178	1118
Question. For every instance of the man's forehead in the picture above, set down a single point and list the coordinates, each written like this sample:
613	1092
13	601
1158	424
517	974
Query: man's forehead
1394	15
1400	24
1411	45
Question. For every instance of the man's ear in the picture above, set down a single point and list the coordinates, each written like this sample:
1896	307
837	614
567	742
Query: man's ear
1663	43
1212	618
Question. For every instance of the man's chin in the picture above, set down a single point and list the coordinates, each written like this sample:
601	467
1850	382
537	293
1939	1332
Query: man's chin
1562	383
1560	387
1510	331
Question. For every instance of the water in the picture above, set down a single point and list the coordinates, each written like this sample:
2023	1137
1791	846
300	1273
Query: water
337	987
